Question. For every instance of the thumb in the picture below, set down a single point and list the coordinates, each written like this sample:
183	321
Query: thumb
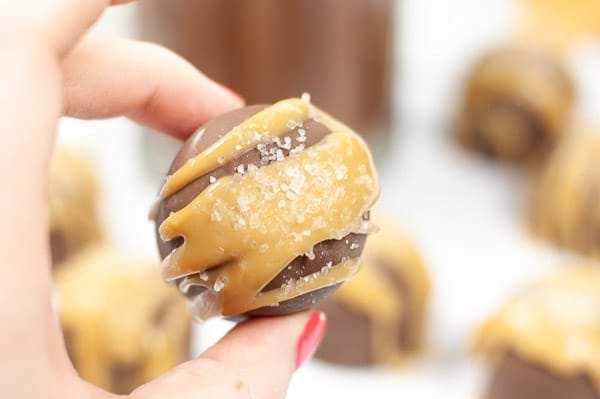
254	360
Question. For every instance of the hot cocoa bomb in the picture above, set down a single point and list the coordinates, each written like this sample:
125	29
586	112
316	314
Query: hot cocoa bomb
516	104
265	210
72	204
378	318
544	342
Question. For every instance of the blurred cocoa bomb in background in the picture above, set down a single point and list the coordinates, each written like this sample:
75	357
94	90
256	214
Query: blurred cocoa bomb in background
566	200
516	104
122	325
338	51
72	204
265	210
545	342
378	317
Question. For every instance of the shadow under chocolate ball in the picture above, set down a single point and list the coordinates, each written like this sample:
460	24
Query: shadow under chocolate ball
326	253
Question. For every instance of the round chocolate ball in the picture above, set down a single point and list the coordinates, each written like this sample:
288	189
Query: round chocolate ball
122	325
274	162
516	104
565	208
378	318
542	343
72	205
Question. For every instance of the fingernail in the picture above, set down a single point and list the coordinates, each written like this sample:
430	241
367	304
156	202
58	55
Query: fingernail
230	91
311	337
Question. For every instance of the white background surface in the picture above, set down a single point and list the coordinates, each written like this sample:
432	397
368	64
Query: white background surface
465	214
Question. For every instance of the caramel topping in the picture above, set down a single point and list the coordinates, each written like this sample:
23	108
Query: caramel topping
559	24
242	230
272	121
372	292
566	204
554	322
119	313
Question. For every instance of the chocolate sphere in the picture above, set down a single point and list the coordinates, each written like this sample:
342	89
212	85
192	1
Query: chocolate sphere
544	343
72	203
265	210
565	207
516	104
122	325
378	317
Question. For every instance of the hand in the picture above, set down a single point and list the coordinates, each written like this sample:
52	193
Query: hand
50	67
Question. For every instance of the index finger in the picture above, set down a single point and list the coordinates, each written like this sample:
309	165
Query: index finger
106	77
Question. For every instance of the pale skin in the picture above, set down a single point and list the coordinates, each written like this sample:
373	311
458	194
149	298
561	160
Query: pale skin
51	67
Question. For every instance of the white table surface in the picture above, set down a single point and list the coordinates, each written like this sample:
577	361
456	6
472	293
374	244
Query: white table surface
465	214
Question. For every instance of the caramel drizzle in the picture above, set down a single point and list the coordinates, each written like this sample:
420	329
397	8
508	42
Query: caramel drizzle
274	121
555	323
564	208
242	230
559	24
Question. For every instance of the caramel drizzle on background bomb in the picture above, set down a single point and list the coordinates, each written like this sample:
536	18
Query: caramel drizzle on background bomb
553	322
372	293
310	196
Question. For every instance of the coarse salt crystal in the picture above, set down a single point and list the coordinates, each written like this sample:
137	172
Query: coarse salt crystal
220	283
310	254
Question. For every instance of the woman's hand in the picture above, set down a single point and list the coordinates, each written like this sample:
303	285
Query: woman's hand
50	67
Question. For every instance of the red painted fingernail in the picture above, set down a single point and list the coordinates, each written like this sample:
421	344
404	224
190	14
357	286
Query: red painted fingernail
311	337
230	91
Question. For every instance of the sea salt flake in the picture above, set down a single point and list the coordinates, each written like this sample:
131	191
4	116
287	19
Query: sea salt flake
363	179
340	172
297	150
244	202
292	124
215	216
212	179
220	283
203	276
310	254
287	143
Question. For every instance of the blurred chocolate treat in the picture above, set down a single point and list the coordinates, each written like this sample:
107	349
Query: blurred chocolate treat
73	203
516	104
566	202
545	342
378	317
339	51
123	326
265	210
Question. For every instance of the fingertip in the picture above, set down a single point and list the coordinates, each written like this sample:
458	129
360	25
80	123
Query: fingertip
311	337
